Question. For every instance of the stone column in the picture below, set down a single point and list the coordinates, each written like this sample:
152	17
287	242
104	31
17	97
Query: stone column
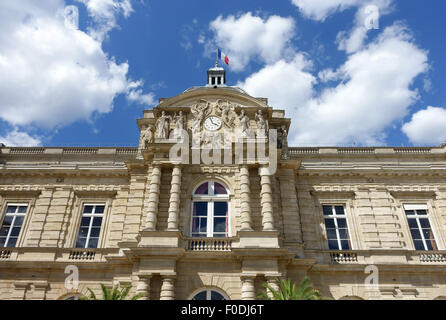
174	202
248	288
272	281
153	198
143	287
266	199
245	199
167	288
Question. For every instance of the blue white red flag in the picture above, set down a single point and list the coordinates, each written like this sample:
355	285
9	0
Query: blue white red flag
223	56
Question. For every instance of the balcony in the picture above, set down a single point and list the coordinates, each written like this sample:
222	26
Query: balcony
5	254
379	257
343	257
209	244
82	254
51	254
432	257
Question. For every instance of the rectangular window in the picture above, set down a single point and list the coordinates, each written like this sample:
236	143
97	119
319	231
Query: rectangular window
336	227
200	219
210	219
220	219
90	228
420	227
12	224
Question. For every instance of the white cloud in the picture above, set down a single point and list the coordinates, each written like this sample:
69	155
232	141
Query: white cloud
136	95
52	75
104	13
368	11
427	126
367	17
321	9
374	93
17	138
286	84
245	37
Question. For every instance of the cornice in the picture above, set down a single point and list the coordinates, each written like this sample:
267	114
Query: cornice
343	194
412	194
94	193
20	193
199	93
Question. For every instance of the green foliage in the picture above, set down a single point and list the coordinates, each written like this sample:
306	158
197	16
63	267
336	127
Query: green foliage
289	291
112	294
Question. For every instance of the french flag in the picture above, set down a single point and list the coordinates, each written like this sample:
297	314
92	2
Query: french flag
223	57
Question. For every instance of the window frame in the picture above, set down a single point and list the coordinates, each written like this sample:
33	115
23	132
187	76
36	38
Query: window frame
335	217
22	227
429	211
92	215
211	199
208	289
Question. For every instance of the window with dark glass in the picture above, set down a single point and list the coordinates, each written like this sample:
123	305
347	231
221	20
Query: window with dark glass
210	216
12	224
90	227
420	227
208	295
336	227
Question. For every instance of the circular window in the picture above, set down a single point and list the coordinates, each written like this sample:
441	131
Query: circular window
208	295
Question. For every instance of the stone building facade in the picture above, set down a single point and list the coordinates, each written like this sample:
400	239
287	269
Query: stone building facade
175	228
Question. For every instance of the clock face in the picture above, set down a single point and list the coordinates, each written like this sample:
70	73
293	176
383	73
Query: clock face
212	123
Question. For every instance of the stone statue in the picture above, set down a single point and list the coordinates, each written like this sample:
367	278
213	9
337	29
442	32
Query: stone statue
262	125
282	141
244	123
147	137
179	125
199	112
163	126
228	115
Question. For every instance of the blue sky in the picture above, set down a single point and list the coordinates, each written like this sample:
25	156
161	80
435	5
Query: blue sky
340	83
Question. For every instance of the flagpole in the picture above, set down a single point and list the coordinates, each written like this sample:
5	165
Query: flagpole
216	58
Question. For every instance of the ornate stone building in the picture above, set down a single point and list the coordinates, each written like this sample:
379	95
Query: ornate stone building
182	228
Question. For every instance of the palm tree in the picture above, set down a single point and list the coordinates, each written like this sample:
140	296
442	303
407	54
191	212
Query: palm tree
289	291
112	294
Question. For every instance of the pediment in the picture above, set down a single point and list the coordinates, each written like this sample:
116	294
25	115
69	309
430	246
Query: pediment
231	94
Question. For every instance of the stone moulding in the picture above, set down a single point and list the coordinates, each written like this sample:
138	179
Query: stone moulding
18	192
333	194
413	194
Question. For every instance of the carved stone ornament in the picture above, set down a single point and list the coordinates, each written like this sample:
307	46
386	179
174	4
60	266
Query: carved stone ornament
224	109
282	141
163	126
244	123
262	125
147	136
178	120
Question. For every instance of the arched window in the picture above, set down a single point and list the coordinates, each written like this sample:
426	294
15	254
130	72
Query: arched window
209	294
210	210
71	296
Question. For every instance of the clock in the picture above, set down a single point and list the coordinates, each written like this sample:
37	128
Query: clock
212	123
